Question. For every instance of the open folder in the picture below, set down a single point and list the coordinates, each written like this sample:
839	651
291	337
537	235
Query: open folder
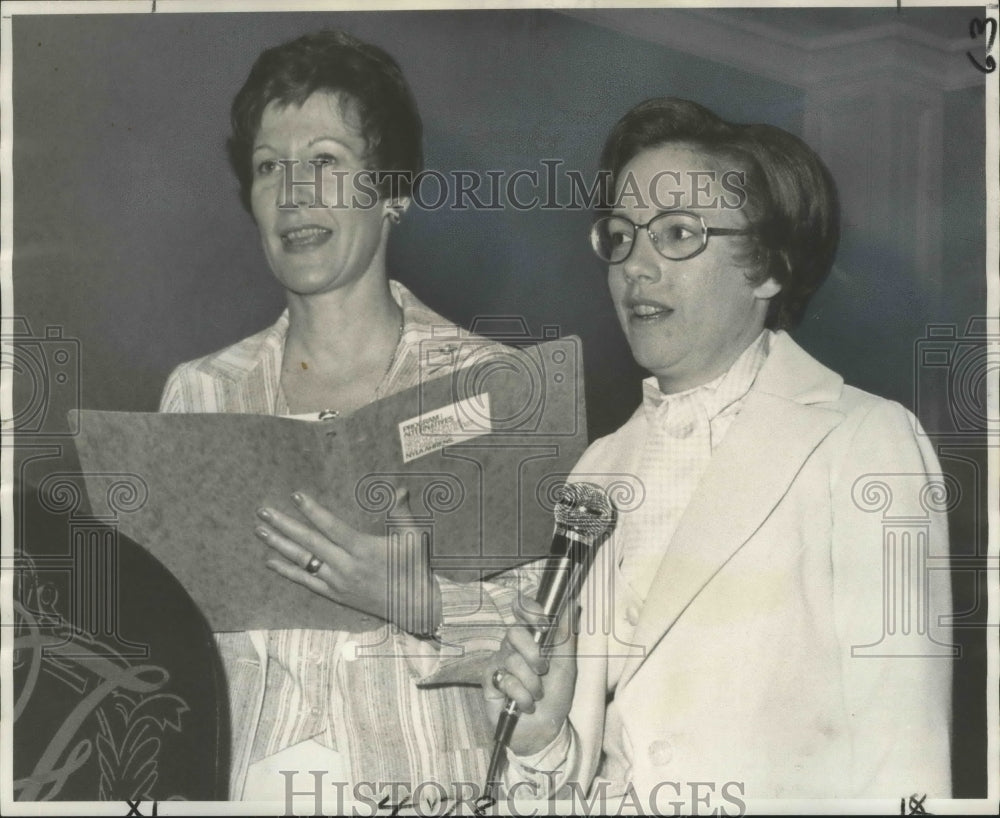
481	451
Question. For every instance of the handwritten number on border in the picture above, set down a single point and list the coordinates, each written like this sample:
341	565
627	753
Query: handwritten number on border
916	805
978	27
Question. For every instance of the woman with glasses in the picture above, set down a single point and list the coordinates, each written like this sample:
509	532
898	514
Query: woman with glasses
763	623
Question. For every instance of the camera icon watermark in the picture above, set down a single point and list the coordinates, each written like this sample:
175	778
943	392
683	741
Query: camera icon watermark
506	381
954	374
45	373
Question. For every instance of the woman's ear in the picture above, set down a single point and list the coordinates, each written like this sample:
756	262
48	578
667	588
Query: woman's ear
395	208
767	290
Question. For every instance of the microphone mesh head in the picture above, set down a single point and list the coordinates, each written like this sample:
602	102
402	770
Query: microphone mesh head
585	508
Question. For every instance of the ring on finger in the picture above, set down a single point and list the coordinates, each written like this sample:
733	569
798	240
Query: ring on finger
314	564
498	676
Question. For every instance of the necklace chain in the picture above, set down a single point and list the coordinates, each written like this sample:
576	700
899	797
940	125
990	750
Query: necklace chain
392	358
329	414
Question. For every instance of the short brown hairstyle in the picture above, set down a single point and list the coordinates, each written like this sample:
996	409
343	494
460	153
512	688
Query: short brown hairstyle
791	198
335	62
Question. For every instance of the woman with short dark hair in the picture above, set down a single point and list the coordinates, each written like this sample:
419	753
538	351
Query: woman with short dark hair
786	192
768	626
326	138
361	74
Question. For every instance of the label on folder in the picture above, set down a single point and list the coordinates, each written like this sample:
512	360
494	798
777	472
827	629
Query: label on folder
455	423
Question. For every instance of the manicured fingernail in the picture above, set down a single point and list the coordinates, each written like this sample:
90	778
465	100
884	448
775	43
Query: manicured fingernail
298	499
262	532
264	514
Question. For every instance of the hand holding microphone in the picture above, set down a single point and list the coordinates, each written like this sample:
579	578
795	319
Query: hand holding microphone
540	686
524	674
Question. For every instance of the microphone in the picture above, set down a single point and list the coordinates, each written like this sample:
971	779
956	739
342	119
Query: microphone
584	517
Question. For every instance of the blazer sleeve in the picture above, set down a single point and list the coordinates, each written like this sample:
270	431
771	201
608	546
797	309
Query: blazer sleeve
891	603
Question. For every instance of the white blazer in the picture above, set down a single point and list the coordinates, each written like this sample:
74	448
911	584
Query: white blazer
777	647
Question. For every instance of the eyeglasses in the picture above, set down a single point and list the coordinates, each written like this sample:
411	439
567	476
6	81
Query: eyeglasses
676	235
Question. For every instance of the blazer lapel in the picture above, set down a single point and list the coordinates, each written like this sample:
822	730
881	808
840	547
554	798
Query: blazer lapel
748	475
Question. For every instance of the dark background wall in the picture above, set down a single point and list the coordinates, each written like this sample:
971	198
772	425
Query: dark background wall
128	229
129	238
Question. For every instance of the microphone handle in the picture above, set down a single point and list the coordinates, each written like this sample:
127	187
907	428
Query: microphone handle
564	569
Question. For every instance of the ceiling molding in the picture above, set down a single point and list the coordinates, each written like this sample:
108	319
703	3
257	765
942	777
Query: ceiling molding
803	62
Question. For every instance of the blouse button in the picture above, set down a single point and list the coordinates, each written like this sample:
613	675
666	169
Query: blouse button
660	752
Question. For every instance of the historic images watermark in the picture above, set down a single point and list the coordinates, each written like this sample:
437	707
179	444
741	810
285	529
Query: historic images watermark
315	184
309	792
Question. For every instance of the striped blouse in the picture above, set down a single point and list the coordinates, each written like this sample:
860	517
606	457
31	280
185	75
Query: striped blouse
355	693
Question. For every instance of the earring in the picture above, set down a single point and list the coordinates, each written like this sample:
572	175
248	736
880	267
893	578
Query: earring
394	213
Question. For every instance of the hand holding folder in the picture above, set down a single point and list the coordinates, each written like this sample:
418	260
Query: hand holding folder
481	453
387	576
